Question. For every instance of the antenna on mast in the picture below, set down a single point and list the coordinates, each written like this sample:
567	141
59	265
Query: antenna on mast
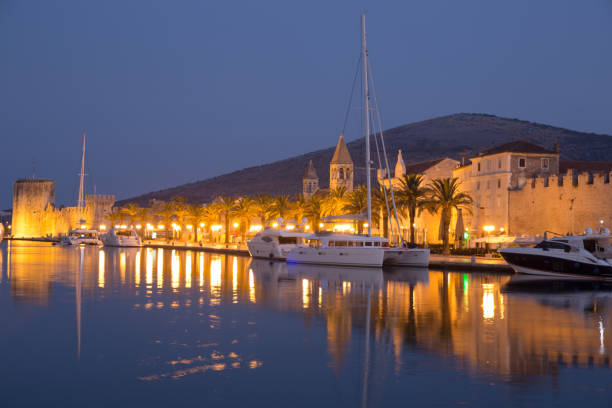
81	202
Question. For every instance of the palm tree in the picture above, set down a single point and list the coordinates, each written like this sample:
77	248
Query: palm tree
444	196
167	212
314	211
281	205
114	216
143	216
211	215
227	205
131	210
181	211
263	204
379	209
357	203
299	208
244	211
334	202
411	198
195	214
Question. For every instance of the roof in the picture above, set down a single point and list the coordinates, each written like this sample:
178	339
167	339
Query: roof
419	168
520	146
342	155
586	166
311	173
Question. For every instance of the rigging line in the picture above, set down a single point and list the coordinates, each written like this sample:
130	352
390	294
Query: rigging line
350	101
383	179
382	140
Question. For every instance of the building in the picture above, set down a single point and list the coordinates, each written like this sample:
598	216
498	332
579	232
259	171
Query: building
341	167
522	189
35	214
310	181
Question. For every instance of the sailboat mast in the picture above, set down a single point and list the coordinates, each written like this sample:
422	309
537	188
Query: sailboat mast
81	202
366	104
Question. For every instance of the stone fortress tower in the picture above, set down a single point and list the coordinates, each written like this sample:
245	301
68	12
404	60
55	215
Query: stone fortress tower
35	214
31	198
310	181
341	167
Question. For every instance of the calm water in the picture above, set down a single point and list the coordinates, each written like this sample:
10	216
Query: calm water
111	327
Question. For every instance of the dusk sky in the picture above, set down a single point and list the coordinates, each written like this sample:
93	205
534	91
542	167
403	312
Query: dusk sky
171	92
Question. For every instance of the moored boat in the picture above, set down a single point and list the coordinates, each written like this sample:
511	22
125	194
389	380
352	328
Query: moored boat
81	237
406	257
121	238
275	244
587	256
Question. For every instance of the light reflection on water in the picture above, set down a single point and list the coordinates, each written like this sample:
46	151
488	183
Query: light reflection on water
195	314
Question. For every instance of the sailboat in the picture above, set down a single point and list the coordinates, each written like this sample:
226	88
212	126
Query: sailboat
327	248
82	236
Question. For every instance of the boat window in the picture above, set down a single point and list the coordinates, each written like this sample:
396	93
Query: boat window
553	245
287	240
123	233
590	245
368	243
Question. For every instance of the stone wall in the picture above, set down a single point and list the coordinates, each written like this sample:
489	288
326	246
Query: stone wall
562	204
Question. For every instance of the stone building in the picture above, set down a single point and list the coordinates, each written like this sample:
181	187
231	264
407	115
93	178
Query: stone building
426	225
310	181
522	189
341	167
35	214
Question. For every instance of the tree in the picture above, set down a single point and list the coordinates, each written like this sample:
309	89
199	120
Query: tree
115	216
281	205
143	217
263	204
411	198
212	215
181	211
131	210
226	206
379	206
195	214
244	211
357	203
334	202
299	208
444	196
166	213
314	211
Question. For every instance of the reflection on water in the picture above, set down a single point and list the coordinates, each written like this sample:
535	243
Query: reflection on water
195	313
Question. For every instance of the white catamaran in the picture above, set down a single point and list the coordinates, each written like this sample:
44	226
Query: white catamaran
361	250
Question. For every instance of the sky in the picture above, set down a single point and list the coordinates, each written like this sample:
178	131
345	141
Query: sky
171	92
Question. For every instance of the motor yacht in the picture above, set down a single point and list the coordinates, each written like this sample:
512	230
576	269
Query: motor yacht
81	237
587	256
275	244
328	248
121	238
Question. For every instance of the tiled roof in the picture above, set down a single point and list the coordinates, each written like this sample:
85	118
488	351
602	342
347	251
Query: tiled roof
342	155
585	166
520	146
311	173
418	168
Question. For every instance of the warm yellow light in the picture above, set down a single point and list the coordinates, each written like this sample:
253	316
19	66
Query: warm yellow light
255	228
343	227
102	227
216	227
83	226
123	226
173	225
290	227
190	227
161	226
236	225
117	226
502	229
275	225
321	225
202	225
489	228
365	225
307	227
138	226
149	227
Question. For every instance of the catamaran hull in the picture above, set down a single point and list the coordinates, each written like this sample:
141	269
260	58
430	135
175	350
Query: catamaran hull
266	250
342	256
406	257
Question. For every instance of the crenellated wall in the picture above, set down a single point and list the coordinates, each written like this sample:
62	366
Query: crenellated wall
566	203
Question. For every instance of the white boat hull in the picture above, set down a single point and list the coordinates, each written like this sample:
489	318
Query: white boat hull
118	241
80	241
269	250
406	257
344	256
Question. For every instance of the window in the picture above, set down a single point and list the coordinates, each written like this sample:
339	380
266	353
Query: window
341	175
478	166
522	163
498	183
478	185
348	174
499	163
545	163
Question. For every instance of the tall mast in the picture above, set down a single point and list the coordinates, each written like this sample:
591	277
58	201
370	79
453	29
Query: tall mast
366	104
81	202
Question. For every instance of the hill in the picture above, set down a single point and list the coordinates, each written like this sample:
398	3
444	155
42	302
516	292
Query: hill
453	136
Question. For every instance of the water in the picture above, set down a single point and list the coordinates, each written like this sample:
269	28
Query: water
113	327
